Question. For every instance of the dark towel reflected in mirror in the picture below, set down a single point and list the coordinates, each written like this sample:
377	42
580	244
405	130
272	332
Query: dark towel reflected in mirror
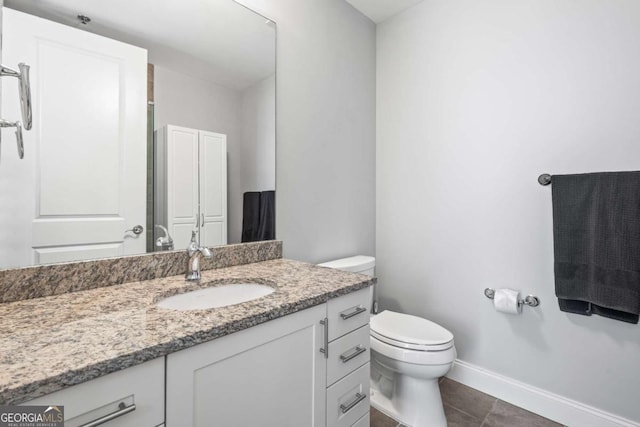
259	216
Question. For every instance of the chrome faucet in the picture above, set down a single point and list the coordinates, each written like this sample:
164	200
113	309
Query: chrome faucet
194	251
164	243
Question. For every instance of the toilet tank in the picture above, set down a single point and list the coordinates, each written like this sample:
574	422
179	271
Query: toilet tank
357	264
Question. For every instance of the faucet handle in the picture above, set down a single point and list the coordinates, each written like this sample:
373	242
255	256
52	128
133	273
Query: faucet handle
205	252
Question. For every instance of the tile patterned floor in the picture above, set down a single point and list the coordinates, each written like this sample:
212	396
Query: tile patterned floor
467	407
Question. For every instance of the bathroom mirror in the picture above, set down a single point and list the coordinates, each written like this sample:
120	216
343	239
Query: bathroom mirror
147	115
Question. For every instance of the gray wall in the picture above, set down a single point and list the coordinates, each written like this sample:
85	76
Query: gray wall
475	100
258	132
257	148
183	100
325	164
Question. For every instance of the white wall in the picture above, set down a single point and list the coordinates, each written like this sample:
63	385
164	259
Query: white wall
475	100
258	132
325	203
187	101
257	148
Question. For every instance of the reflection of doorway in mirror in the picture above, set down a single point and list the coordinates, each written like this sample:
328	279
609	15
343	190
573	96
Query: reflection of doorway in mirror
80	191
150	158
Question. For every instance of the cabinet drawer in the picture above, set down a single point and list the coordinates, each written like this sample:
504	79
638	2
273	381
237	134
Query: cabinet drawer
348	312
347	353
141	385
363	422
348	399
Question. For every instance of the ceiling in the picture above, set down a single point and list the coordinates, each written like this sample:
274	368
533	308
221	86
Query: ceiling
379	10
217	40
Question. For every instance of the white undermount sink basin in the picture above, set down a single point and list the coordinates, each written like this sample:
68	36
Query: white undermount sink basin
216	296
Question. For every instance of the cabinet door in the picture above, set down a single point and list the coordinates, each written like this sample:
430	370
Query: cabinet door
132	397
270	375
213	189
182	184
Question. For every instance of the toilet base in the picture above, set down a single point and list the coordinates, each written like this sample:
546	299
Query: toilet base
431	415
415	402
383	404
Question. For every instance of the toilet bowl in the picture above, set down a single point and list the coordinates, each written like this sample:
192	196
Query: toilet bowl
408	356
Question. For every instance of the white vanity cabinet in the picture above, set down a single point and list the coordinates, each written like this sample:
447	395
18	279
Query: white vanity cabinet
309	369
270	375
306	369
191	185
127	398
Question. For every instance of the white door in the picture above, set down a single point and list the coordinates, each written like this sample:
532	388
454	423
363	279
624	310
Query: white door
213	189
82	181
182	184
270	375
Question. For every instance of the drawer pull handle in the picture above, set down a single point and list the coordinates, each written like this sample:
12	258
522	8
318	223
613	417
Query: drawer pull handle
357	310
357	351
325	345
359	398
123	410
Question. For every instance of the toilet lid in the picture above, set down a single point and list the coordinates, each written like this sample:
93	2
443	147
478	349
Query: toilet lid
408	331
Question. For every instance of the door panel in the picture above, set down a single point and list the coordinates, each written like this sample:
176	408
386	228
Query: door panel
76	253
84	169
86	137
214	233
213	187
182	183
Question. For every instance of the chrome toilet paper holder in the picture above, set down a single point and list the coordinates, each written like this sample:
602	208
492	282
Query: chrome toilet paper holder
530	300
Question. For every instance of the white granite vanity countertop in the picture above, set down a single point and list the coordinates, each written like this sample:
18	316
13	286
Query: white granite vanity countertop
50	343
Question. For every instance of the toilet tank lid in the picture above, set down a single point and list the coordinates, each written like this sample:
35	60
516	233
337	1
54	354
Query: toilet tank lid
354	264
409	329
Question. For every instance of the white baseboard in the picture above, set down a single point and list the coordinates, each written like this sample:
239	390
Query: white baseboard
549	405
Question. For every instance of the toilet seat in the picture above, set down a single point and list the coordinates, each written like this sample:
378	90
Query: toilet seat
410	332
415	357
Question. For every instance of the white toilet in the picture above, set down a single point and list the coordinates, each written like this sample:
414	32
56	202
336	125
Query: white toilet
408	355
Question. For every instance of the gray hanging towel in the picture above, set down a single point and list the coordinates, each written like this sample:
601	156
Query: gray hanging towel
267	226
250	216
596	236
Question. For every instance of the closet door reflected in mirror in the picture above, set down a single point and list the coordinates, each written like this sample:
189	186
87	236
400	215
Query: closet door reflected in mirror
191	176
87	186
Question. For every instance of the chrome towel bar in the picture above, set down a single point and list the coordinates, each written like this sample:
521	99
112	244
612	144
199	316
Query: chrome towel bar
544	179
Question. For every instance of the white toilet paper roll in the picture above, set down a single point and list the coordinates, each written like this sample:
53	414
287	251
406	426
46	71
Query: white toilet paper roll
506	301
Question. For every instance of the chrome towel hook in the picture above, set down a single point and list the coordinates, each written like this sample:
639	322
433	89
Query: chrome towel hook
25	91
19	141
25	103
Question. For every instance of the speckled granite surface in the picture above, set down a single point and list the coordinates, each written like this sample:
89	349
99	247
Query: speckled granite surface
53	342
56	279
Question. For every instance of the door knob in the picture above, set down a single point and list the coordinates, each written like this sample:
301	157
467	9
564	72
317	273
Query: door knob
137	229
